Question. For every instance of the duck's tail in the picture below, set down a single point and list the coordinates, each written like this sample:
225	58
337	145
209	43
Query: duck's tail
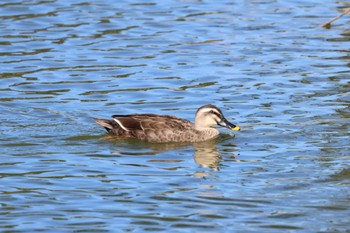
107	124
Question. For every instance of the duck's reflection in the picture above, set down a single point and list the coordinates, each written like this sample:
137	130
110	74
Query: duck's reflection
206	154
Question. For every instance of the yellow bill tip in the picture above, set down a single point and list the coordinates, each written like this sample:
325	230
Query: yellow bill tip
236	128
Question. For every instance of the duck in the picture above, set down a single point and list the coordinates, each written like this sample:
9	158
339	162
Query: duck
166	128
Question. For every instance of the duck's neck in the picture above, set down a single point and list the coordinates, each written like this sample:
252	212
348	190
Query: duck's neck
207	133
200	125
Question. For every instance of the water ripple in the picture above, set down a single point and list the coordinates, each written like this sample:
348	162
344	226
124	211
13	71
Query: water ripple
268	65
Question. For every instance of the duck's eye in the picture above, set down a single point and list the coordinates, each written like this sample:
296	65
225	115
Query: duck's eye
215	113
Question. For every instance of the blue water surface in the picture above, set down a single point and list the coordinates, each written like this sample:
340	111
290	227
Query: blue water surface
268	64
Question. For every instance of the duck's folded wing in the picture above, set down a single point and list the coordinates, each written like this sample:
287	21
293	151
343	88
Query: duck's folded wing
127	122
161	122
152	127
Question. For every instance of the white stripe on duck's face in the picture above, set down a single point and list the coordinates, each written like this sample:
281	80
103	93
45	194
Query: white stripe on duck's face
207	116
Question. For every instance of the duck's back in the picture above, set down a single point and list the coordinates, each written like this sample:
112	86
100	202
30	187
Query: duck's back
151	128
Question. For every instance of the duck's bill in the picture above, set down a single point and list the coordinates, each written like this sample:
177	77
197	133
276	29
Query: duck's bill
225	123
236	128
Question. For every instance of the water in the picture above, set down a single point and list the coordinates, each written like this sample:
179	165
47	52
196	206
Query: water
268	64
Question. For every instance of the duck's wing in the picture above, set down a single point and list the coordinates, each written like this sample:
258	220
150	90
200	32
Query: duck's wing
127	122
152	127
152	121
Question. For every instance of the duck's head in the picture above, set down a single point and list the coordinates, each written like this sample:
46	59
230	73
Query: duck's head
209	115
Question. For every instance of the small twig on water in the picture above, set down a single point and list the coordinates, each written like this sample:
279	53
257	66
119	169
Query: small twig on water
328	24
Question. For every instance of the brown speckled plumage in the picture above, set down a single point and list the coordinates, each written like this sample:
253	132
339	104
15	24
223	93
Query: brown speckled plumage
166	128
